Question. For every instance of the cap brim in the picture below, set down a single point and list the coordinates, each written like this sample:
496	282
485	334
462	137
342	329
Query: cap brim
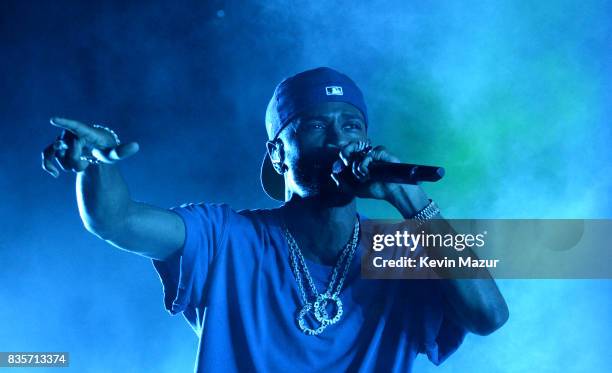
271	181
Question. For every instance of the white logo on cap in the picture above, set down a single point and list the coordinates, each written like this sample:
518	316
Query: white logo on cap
334	91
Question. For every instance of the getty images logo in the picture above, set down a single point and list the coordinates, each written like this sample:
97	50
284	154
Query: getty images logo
334	91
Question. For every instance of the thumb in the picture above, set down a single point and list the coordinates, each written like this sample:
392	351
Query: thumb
117	153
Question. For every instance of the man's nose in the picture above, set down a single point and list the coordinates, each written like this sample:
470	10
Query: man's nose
336	137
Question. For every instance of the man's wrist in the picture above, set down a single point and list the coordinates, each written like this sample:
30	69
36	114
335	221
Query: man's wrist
407	199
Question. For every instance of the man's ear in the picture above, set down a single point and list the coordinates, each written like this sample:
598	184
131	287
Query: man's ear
276	154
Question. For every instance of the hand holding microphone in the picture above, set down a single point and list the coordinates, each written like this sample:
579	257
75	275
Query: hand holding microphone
375	173
361	161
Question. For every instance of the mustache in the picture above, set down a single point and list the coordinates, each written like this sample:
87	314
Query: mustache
324	157
327	159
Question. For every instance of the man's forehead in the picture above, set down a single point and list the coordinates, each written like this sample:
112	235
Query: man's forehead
328	109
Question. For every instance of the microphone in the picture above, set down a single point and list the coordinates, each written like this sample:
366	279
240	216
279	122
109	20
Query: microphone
404	173
388	172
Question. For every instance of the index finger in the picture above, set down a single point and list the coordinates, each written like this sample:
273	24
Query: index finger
82	130
353	147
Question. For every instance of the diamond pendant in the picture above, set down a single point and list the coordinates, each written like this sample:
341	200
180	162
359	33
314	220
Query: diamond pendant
320	313
320	308
302	322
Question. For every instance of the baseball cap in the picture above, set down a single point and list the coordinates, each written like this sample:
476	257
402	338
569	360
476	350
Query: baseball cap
296	94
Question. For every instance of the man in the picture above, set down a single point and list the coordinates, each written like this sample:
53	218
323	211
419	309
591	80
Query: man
279	289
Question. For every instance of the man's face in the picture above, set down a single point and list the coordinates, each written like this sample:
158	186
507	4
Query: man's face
312	143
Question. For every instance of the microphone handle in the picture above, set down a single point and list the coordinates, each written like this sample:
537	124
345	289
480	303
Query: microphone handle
404	173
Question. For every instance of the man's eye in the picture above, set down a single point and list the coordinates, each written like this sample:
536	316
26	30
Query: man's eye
316	125
353	125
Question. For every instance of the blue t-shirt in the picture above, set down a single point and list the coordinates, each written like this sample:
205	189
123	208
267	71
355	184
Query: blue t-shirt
233	282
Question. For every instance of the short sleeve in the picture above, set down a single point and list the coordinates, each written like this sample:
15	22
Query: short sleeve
184	274
441	335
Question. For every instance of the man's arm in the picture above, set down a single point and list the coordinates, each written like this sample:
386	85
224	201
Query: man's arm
477	304
108	211
105	205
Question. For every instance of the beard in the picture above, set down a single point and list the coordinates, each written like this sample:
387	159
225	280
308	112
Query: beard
311	174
